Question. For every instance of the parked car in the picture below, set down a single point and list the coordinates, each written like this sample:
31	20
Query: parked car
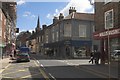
23	57
115	55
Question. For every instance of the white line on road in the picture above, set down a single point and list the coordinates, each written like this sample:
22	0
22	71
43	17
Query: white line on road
4	68
52	76
38	61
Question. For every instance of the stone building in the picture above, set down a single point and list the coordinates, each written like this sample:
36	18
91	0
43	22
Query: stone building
69	35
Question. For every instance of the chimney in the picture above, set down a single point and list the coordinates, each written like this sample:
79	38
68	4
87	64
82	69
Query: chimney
61	17
44	26
72	9
33	32
55	20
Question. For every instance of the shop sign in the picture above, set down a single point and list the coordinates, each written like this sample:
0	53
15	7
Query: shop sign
104	34
111	32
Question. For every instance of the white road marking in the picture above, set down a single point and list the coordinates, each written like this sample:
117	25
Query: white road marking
52	76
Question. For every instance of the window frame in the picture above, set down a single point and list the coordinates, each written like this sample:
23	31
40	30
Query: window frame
85	29
67	32
105	16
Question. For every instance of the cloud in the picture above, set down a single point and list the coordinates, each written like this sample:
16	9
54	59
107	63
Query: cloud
82	6
51	15
28	14
20	2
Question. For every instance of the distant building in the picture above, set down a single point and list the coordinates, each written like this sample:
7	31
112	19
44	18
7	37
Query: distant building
22	38
67	36
107	26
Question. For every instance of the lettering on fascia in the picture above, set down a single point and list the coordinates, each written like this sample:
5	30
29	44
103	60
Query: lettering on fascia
112	32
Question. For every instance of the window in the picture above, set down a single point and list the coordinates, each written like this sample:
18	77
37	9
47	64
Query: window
53	37
57	36
82	31
109	19
67	30
46	38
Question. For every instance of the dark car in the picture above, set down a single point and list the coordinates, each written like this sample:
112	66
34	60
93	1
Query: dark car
23	57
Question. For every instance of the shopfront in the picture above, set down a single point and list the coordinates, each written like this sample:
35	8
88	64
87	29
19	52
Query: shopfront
109	40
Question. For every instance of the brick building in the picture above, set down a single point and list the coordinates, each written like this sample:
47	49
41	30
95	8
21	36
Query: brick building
107	26
8	25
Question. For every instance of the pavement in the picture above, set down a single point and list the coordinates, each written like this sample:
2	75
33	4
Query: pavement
99	69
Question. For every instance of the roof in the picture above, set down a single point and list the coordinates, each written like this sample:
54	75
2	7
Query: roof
81	16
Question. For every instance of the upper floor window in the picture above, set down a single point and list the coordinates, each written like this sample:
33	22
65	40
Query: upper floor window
82	31
67	30
53	37
109	19
57	35
46	38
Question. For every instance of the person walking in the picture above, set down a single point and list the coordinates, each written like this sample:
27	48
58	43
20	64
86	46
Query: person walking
97	57
91	57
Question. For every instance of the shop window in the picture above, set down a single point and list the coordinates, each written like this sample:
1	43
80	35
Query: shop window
109	19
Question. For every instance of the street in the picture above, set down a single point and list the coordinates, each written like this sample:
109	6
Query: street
53	69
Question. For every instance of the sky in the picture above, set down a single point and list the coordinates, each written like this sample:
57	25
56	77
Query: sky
28	11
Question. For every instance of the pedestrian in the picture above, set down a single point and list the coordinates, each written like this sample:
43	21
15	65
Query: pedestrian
14	53
91	57
97	57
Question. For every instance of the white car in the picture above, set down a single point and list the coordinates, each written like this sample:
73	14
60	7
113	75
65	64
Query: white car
115	55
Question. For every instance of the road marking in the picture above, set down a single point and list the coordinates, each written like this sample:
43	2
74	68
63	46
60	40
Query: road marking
14	72
6	77
29	76
4	68
52	76
41	71
38	61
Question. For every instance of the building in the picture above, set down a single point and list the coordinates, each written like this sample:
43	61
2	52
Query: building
65	36
8	25
70	34
33	41
22	38
107	27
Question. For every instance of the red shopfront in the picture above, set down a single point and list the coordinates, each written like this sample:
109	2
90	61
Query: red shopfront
113	35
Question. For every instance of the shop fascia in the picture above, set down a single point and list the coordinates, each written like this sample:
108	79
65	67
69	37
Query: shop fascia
110	32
